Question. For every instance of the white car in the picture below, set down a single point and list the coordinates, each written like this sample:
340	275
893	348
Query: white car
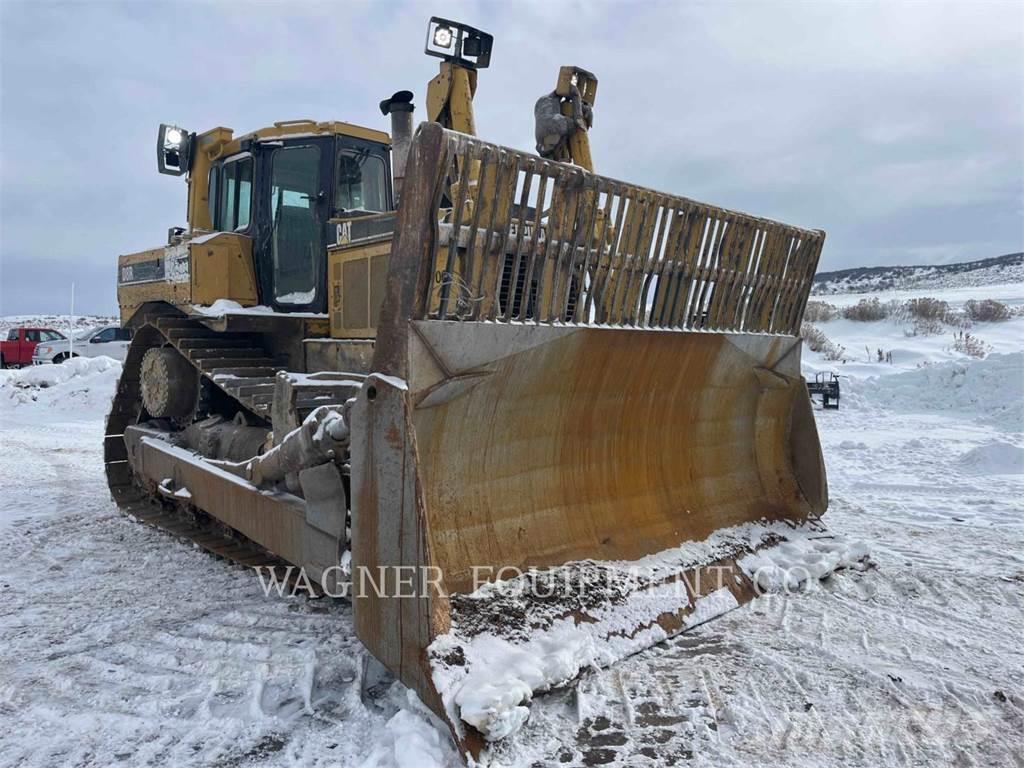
108	340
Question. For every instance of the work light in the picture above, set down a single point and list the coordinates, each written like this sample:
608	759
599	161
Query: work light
452	41
173	150
443	37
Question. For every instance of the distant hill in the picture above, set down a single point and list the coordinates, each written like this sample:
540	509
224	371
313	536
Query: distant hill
1001	269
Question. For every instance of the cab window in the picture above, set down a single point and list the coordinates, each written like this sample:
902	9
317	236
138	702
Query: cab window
296	223
31	335
360	182
51	336
12	335
107	334
235	193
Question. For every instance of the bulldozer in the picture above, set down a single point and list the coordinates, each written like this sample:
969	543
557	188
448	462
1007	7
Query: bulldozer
425	369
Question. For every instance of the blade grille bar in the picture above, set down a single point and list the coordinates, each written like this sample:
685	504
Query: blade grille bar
523	239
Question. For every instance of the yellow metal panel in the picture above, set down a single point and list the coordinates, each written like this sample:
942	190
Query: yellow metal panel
209	146
222	268
357	278
131	296
437	93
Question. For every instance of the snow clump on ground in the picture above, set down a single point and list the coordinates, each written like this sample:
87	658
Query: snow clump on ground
79	383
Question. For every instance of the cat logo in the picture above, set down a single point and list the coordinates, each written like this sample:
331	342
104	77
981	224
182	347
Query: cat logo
344	232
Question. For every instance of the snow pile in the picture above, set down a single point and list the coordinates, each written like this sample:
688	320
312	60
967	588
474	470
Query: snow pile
222	307
487	673
409	742
992	388
229	307
76	385
503	675
995	458
790	564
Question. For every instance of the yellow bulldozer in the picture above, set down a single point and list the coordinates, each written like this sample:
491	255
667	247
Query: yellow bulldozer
439	374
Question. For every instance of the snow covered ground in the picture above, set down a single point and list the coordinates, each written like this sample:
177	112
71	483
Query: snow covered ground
910	351
120	645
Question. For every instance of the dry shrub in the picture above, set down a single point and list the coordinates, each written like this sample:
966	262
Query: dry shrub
867	311
987	311
820	312
970	345
930	326
928	309
819	342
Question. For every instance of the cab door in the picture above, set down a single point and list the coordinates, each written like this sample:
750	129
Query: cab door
30	338
293	250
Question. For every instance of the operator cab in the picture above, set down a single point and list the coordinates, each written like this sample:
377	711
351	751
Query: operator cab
287	190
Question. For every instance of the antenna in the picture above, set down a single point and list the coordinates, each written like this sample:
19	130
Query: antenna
71	325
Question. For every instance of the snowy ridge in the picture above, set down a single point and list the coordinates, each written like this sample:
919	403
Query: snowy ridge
1001	269
56	322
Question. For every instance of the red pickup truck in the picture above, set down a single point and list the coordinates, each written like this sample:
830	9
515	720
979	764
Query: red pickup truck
17	350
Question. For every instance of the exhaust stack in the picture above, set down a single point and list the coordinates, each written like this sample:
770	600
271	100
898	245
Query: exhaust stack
400	107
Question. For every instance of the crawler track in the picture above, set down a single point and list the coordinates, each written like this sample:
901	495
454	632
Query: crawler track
233	363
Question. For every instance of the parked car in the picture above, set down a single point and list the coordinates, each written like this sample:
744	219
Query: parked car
17	350
108	340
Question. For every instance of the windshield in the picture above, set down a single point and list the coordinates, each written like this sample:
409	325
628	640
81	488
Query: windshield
360	182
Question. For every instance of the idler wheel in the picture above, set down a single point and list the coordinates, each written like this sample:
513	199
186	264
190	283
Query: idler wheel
169	383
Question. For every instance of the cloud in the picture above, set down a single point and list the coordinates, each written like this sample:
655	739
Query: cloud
894	126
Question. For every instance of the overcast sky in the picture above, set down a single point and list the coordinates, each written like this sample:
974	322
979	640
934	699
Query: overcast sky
895	127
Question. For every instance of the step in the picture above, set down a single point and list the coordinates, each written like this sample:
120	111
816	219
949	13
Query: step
244	372
223	352
212	364
248	390
192	331
251	381
215	340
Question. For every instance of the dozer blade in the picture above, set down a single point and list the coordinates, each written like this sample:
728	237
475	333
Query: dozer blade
574	376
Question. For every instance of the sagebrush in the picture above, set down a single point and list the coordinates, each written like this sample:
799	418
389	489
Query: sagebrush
987	311
970	345
867	311
820	312
927	308
817	341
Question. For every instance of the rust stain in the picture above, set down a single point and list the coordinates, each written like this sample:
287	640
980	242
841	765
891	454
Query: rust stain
394	438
